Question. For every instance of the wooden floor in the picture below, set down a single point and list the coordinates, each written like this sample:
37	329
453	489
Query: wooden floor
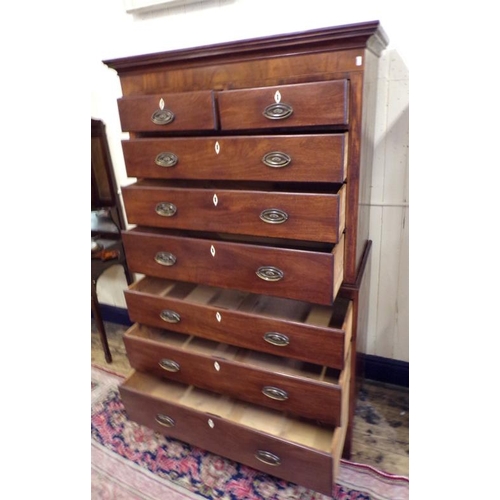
381	424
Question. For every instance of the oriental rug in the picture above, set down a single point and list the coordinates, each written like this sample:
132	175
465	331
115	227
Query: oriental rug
132	462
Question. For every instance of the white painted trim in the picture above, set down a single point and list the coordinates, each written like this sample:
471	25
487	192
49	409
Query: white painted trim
132	6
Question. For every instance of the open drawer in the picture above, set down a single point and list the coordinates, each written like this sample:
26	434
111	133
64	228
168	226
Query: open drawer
268	440
304	389
256	210
311	274
284	327
281	158
309	104
182	111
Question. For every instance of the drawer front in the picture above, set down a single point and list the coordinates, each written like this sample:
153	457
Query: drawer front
299	105
283	272
283	384
168	112
283	327
301	216
302	158
305	465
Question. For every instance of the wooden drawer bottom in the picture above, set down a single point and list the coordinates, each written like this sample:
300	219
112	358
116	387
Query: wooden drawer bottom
305	389
292	449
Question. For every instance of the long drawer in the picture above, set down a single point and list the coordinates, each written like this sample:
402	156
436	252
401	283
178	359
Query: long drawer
183	111
304	389
268	440
298	158
297	105
283	327
294	273
311	216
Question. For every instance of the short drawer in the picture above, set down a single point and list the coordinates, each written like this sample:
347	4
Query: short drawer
298	105
168	112
265	439
298	158
304	389
311	216
290	272
283	327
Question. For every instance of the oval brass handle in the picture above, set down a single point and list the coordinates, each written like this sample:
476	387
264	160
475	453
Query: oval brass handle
278	111
273	216
276	159
170	316
277	339
166	209
165	420
170	365
274	393
268	457
162	117
269	273
165	258
166	159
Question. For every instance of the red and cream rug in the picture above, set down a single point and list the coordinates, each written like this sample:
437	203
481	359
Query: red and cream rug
131	462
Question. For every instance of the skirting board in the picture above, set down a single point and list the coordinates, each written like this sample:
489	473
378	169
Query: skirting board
389	371
115	314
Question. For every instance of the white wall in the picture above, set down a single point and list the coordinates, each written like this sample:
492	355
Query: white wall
118	34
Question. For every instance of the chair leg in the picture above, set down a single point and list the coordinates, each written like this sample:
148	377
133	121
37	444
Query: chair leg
100	324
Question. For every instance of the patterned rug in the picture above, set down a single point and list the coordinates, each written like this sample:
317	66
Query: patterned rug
131	462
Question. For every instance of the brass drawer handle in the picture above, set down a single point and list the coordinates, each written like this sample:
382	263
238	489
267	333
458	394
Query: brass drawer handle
267	457
273	216
278	111
165	420
165	258
277	339
170	316
170	365
274	393
166	159
270	273
166	209
276	159
162	117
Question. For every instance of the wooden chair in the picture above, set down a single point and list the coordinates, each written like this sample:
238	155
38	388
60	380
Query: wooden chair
107	223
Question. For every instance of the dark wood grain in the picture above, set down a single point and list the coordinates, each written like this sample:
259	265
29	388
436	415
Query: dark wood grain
300	464
323	345
358	292
314	158
360	35
313	104
311	216
328	76
192	110
308	276
237	376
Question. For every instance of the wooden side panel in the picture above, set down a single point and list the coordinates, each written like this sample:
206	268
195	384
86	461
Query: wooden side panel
358	293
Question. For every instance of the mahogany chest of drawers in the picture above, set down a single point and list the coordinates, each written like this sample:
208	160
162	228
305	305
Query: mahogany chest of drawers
253	167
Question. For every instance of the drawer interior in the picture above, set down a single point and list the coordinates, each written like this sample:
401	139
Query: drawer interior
261	186
272	422
334	316
258	360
